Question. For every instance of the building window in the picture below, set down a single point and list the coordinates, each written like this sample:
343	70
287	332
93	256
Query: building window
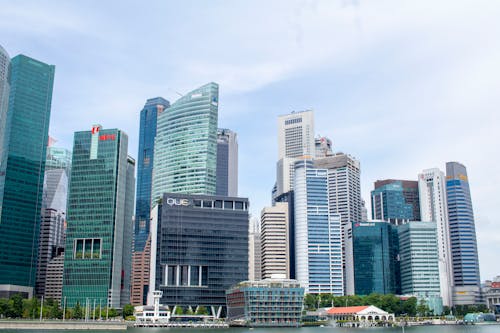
87	248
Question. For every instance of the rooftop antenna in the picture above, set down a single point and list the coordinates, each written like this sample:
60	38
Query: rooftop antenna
175	91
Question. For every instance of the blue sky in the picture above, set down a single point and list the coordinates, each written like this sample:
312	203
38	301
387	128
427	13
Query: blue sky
401	85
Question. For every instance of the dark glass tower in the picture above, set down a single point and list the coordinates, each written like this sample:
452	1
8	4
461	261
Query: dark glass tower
21	178
99	229
227	163
147	134
375	254
200	249
463	243
395	201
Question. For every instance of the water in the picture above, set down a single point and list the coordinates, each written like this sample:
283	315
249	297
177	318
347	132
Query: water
416	329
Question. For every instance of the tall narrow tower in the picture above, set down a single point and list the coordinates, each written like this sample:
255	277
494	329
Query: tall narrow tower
433	208
24	144
100	208
463	242
227	163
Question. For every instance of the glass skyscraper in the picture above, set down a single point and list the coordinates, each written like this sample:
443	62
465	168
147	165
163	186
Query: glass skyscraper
145	158
99	229
186	144
24	147
375	252
463	242
199	249
395	201
318	244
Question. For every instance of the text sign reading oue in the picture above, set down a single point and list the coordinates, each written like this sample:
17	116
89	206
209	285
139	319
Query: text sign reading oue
178	202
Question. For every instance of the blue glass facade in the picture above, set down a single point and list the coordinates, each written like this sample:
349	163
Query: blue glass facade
21	178
318	245
145	156
463	242
395	200
375	254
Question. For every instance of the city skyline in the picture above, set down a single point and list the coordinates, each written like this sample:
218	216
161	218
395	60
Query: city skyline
404	92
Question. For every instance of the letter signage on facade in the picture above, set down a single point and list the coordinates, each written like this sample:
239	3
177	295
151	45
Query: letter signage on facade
178	202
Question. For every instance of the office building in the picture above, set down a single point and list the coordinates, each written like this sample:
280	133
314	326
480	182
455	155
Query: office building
344	195
99	228
254	251
266	303
147	134
295	139
185	157
395	201
323	147
54	278
433	208
227	163
318	244
4	106
23	154
375	253
58	158
463	244
199	249
419	259
274	240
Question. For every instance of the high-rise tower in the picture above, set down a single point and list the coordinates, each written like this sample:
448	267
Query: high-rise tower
318	250
100	208
140	261
395	201
463	242
23	150
433	208
295	139
185	153
227	163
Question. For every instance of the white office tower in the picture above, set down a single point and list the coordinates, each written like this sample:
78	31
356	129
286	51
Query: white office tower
275	241
318	250
433	208
295	139
344	173
254	251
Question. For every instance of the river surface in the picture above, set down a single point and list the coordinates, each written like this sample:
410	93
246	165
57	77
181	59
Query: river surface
495	328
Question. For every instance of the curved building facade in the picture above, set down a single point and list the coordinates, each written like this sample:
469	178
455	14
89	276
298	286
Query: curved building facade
185	155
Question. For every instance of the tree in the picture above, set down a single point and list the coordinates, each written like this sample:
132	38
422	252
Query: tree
422	308
202	311
77	311
310	302
128	310
178	310
410	306
15	306
4	307
112	313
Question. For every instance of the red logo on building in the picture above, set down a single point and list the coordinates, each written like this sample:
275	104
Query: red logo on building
105	137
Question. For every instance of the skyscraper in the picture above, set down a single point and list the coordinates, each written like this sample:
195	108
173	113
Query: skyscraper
419	260
185	157
99	228
433	208
344	196
323	147
199	249
463	242
22	171
254	251
140	262
395	201
295	139
275	242
318	244
227	163
4	107
375	265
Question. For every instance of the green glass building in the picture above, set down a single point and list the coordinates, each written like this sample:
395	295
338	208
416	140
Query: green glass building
24	144
185	157
99	228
